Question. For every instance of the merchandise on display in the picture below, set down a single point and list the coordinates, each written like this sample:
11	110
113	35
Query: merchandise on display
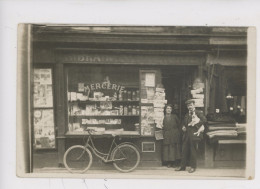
197	93
129	95
137	95
125	110
129	110
121	110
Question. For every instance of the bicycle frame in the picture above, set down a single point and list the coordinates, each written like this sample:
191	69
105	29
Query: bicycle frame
90	145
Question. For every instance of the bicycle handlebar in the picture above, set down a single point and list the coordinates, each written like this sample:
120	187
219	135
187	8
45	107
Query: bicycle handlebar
90	131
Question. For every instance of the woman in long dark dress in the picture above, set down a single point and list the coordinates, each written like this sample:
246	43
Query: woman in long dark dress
172	138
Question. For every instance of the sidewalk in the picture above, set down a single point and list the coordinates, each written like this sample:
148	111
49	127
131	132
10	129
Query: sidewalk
153	172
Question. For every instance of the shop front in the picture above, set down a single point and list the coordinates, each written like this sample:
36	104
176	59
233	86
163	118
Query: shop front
113	99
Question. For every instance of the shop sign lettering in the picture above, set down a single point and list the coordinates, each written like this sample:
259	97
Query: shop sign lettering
131	59
104	86
86	58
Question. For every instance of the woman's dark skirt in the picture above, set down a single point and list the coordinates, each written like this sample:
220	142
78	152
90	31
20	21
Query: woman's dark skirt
171	152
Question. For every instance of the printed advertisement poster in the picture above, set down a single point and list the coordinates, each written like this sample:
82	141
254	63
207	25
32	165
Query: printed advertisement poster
44	134
43	88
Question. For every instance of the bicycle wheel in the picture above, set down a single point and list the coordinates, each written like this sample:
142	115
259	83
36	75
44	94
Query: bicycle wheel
77	159
126	158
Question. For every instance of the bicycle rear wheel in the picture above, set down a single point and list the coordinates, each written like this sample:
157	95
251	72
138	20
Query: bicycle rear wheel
126	158
77	159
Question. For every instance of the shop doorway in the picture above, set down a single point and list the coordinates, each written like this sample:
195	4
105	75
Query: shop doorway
177	81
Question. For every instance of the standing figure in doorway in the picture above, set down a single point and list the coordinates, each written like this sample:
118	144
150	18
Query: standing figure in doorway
193	127
171	134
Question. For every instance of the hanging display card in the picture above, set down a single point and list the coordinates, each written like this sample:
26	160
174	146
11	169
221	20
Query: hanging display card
198	96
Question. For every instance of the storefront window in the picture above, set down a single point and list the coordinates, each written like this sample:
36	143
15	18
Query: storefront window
228	91
44	135
236	93
105	99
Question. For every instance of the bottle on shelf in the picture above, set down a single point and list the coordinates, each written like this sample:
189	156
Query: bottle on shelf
134	95
125	95
129	95
125	110
120	96
137	127
115	96
134	110
137	95
137	110
129	110
121	110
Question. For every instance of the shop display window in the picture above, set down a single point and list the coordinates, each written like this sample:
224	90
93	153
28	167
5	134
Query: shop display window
44	132
105	99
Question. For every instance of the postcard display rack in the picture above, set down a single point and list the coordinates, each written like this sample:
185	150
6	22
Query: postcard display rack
44	132
152	104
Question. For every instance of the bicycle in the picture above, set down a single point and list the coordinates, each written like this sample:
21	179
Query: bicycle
78	159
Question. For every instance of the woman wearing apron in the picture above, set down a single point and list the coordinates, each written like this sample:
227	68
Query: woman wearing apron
172	138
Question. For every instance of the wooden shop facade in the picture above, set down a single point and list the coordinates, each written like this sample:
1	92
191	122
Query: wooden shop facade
117	80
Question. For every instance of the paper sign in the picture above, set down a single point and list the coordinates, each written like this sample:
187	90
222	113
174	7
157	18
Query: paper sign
81	87
150	80
158	135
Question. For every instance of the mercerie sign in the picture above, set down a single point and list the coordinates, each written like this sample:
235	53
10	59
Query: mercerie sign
105	86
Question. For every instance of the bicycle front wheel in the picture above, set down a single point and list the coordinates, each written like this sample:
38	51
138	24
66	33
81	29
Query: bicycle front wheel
126	158
77	159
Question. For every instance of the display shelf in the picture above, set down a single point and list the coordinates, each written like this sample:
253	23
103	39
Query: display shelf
146	104
115	101
37	108
108	133
100	125
106	116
